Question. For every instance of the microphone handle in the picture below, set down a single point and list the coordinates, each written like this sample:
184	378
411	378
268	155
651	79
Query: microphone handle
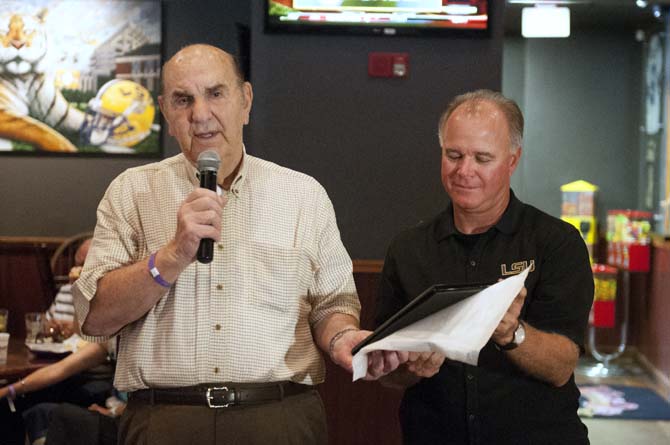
206	248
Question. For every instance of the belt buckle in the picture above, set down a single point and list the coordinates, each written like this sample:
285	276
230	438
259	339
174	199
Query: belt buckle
210	397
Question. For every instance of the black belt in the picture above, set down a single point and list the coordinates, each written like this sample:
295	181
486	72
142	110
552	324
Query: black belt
220	395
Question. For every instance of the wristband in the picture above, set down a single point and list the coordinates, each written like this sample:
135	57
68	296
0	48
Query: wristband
155	274
336	337
12	392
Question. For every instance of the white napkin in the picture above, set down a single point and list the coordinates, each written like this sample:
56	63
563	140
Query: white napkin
459	331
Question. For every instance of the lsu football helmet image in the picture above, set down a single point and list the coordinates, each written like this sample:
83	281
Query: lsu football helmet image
120	114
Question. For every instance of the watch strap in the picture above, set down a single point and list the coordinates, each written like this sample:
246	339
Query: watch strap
515	342
509	346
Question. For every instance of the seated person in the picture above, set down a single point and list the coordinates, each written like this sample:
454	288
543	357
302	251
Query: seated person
60	315
74	425
32	398
82	378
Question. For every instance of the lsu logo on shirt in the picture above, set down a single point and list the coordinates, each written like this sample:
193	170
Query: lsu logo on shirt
516	268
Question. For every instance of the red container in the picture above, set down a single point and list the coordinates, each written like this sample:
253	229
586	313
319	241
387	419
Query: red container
603	312
628	239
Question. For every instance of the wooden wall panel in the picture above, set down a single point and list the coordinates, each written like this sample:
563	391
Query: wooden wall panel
361	412
652	321
24	285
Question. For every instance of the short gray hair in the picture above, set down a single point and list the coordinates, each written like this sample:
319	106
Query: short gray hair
509	108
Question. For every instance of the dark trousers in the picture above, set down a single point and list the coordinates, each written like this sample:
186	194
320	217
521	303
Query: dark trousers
74	425
298	419
78	390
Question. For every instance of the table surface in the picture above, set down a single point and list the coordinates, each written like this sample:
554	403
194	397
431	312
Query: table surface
20	361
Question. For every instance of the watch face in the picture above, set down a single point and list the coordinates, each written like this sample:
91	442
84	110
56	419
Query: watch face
519	334
653	85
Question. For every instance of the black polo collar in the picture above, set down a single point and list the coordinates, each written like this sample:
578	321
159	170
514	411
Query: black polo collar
508	223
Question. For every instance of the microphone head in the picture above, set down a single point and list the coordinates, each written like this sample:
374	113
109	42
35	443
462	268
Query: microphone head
209	161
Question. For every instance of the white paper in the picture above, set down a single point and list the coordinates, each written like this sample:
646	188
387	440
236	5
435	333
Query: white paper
459	331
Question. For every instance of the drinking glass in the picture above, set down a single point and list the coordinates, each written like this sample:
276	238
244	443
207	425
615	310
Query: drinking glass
4	347
4	316
33	326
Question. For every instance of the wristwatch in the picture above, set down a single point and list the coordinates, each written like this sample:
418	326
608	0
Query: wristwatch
519	337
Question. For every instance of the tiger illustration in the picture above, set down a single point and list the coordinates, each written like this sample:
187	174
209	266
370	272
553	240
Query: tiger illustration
28	92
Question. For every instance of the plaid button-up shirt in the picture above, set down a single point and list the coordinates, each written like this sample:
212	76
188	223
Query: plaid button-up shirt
248	315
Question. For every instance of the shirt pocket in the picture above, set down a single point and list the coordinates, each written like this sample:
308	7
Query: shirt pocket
278	277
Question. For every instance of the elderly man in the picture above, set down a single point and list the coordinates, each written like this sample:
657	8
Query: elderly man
224	352
523	389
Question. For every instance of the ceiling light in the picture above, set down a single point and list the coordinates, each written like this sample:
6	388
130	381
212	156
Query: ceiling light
639	35
641	3
545	21
656	10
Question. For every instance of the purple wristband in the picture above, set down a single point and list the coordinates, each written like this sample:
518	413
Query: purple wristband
155	274
12	391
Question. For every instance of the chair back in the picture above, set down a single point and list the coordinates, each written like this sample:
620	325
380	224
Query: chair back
62	260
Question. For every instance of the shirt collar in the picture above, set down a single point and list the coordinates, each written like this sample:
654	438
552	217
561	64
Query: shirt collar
508	222
191	170
238	183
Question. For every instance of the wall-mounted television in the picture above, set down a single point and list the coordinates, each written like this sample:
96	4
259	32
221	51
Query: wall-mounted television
379	17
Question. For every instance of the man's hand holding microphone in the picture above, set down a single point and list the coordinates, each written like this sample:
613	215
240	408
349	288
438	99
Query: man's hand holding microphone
198	218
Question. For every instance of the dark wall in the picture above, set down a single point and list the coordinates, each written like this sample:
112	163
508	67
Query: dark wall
372	143
582	115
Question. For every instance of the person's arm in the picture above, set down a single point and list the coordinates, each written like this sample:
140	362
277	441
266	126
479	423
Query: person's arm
115	411
335	305
545	356
337	335
556	317
88	356
127	293
345	327
548	357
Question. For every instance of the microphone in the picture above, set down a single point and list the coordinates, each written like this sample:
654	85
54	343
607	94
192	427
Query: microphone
208	165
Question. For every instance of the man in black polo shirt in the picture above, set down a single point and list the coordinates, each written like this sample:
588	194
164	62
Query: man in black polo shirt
523	389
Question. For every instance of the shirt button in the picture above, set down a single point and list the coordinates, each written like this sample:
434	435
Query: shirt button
473	263
216	370
220	246
217	327
471	417
219	286
470	376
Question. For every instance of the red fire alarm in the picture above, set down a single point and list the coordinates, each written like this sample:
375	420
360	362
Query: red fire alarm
388	64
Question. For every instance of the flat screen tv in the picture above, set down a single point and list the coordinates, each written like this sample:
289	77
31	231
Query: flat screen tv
379	17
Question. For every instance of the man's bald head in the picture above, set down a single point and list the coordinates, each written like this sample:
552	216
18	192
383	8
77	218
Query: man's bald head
475	101
204	54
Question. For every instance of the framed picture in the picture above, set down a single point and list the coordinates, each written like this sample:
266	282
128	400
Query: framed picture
80	77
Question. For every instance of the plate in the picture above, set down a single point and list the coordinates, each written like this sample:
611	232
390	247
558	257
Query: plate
50	349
